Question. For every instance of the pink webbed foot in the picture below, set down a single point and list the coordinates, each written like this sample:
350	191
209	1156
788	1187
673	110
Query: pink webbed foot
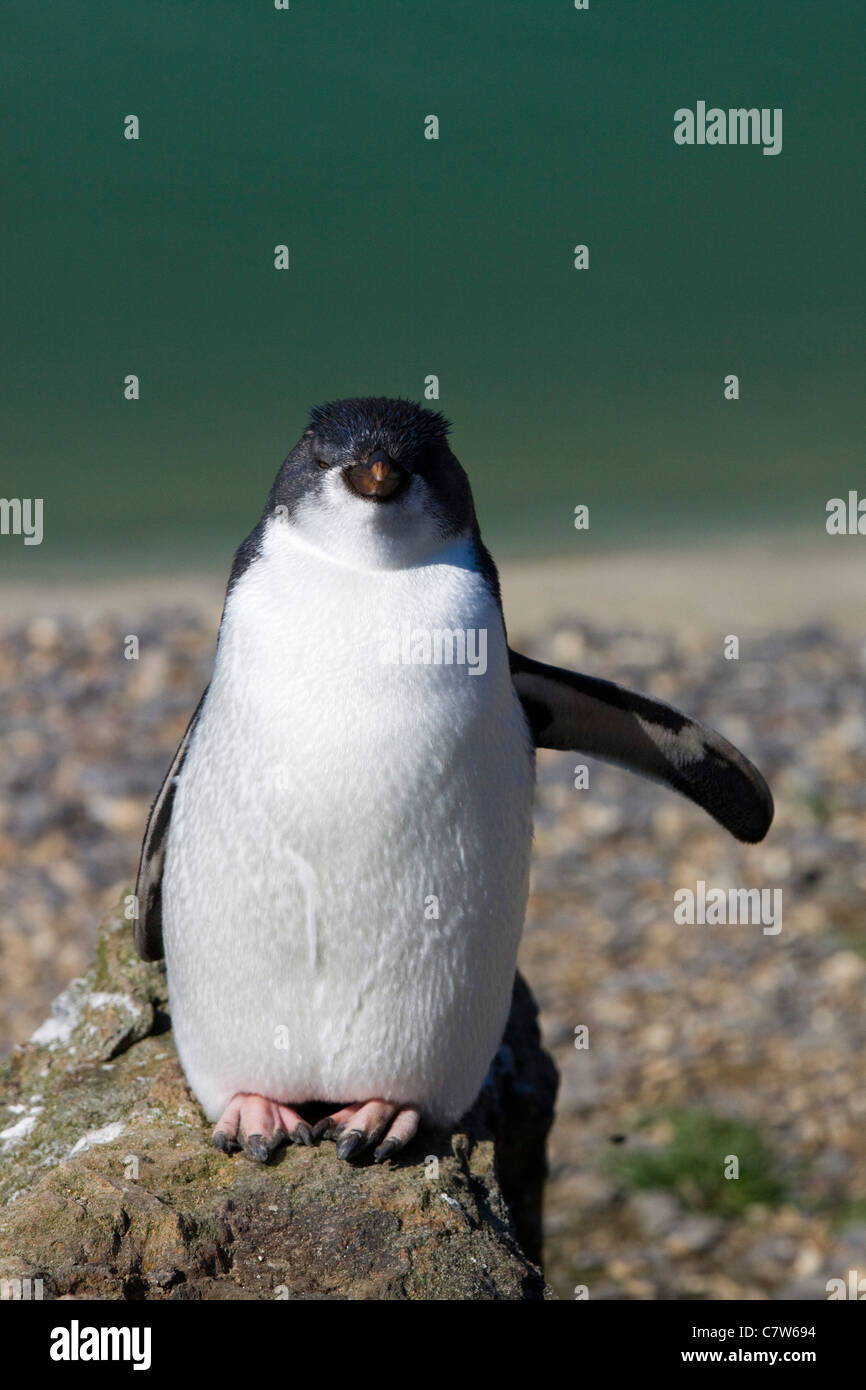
381	1122
259	1126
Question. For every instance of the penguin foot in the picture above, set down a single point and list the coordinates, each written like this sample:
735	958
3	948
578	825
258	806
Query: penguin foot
259	1126
357	1127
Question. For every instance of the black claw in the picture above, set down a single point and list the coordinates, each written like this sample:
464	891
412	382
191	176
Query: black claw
385	1150
258	1148
303	1134
222	1142
356	1139
323	1129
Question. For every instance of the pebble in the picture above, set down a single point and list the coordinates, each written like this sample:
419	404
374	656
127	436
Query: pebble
693	1236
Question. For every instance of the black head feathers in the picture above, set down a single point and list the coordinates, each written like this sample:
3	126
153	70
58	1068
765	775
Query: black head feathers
364	423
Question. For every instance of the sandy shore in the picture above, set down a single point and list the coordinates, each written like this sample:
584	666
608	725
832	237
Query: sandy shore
778	581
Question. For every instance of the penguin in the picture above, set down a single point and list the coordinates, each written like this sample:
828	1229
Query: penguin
335	868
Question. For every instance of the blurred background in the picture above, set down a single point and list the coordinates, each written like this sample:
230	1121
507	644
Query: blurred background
454	257
412	257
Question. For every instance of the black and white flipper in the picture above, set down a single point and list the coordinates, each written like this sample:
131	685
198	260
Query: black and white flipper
579	713
148	887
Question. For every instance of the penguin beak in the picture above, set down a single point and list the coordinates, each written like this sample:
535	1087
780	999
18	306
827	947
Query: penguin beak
380	478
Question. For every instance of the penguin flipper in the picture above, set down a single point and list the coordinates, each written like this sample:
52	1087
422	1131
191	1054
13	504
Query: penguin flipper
148	887
579	713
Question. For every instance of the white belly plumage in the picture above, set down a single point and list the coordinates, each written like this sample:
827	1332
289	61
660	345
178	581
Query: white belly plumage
347	863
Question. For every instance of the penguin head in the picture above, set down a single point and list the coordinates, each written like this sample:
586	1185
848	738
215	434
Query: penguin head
373	483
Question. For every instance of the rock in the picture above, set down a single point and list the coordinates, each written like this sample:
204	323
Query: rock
655	1213
843	970
694	1236
111	1189
586	1194
770	1257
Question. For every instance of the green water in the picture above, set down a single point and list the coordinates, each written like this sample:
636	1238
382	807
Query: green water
411	257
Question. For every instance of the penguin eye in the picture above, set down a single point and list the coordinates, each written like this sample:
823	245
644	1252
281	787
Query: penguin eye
322	464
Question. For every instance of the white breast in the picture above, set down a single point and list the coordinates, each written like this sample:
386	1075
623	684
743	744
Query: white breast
347	863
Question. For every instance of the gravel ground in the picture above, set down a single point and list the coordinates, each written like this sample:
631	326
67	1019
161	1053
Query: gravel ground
704	1041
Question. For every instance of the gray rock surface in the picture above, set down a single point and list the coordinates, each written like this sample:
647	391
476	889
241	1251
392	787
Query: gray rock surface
111	1188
